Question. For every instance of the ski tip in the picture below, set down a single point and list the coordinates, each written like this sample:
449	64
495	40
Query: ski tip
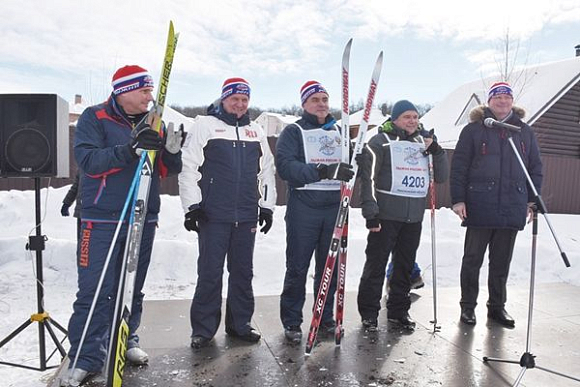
307	352
346	56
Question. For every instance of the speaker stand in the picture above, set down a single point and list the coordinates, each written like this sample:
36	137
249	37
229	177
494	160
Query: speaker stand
36	243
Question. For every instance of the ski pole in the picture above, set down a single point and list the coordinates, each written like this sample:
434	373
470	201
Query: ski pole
436	327
109	255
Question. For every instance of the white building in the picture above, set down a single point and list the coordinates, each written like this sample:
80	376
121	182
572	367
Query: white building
273	123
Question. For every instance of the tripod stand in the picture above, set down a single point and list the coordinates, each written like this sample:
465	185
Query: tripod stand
36	243
527	360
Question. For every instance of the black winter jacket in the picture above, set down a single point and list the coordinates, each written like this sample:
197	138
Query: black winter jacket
376	174
486	175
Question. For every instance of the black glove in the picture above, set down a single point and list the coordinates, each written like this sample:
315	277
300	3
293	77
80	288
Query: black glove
64	210
434	148
192	219
265	216
360	158
373	223
143	137
338	171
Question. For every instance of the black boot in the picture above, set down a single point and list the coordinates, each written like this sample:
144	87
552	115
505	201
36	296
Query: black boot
250	336
501	317
405	322
468	316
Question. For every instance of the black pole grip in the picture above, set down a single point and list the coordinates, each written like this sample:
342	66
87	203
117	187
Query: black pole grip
565	258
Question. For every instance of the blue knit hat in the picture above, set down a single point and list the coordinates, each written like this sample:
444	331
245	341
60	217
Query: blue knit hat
401	107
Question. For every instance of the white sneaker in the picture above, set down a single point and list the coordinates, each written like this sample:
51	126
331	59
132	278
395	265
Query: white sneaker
75	377
137	356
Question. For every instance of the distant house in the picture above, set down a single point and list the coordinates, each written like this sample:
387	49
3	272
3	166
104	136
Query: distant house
550	95
274	123
76	108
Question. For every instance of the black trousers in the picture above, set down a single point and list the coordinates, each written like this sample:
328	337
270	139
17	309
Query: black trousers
402	239
501	246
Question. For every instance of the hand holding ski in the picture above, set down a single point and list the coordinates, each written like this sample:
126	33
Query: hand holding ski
346	195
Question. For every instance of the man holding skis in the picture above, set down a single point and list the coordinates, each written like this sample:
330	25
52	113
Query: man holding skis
226	187
108	141
308	158
394	184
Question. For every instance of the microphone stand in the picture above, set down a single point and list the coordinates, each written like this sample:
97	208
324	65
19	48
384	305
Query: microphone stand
528	360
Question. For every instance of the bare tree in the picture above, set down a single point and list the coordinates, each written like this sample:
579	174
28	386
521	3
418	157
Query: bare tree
511	64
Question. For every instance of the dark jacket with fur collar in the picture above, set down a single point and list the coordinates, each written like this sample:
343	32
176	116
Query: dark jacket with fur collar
486	175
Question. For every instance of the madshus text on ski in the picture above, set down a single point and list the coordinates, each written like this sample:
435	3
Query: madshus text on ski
226	173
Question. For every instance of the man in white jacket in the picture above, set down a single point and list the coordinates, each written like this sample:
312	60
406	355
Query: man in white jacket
227	186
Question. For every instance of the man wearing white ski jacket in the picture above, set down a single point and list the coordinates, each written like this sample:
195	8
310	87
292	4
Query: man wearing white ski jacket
107	143
227	185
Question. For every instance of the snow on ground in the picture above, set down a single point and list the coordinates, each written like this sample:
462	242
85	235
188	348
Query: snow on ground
172	274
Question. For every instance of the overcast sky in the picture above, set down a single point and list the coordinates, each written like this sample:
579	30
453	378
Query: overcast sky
431	47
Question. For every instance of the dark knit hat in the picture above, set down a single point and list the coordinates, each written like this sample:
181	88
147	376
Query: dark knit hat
233	86
129	78
309	88
401	107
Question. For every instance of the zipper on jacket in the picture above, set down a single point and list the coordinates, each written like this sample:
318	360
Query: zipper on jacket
238	172
101	188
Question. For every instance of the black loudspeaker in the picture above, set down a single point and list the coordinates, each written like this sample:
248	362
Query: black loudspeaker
34	136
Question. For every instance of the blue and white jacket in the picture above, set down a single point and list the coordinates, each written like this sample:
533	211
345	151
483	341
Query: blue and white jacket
108	166
228	168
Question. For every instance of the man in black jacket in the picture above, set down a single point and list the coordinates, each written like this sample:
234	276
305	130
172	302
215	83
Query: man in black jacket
490	194
394	184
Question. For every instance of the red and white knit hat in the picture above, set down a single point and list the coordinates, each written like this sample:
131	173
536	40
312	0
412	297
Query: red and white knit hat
309	88
499	88
233	86
129	78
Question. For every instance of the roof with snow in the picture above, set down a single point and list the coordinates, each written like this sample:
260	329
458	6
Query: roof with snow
172	115
536	89
284	118
376	118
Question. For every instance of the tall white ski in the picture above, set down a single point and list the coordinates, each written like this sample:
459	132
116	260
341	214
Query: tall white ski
345	133
346	195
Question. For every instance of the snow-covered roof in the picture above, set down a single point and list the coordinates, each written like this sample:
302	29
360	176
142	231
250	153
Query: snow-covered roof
77	108
172	115
284	118
536	89
376	117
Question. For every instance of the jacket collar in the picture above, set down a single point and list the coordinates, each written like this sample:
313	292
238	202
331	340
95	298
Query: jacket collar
329	121
216	110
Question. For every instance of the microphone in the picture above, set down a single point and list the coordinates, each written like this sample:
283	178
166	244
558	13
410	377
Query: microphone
490	123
